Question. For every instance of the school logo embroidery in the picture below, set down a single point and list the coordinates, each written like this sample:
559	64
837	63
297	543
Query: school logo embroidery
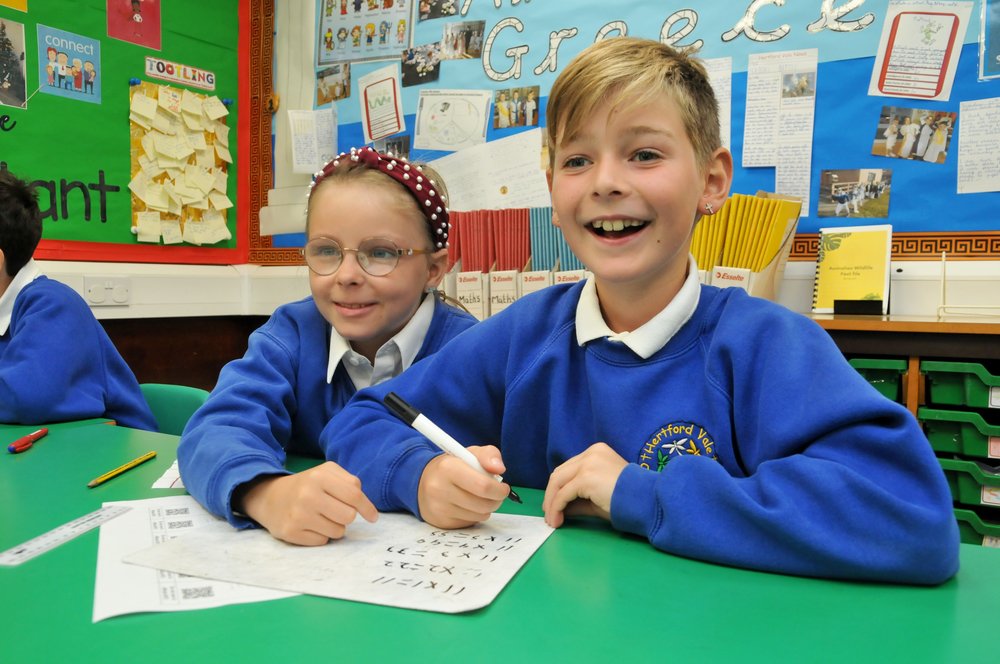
674	440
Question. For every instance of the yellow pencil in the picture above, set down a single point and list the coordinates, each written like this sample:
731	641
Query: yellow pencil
120	469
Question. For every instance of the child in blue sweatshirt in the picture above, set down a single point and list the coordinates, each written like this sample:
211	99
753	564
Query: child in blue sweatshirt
56	361
377	230
718	426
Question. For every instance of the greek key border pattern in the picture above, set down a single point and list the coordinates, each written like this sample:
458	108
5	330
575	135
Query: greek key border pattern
261	81
975	245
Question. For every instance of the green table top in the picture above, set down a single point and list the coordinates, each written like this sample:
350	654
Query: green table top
589	594
15	431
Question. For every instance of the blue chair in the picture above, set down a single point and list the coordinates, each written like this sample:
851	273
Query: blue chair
172	405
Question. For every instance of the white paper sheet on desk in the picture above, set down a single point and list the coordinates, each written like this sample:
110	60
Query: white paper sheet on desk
397	561
121	588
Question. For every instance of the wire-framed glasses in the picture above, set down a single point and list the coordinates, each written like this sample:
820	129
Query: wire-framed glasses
376	255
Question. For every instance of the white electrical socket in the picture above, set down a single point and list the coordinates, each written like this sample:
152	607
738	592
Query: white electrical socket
107	291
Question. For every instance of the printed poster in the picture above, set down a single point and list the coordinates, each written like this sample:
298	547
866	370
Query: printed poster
358	30
135	21
69	65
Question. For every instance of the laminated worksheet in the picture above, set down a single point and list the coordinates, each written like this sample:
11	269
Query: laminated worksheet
397	561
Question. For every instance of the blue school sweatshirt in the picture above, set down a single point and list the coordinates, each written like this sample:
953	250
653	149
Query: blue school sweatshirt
750	441
58	364
276	400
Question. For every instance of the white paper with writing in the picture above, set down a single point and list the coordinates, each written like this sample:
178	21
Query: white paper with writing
121	588
506	173
397	561
919	48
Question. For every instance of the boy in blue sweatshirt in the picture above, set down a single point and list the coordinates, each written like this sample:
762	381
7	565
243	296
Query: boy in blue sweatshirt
718	426
56	361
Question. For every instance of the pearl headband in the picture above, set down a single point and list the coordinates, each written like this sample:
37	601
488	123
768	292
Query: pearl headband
421	187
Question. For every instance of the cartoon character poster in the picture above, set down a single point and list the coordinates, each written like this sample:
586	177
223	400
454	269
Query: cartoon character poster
359	30
69	65
135	21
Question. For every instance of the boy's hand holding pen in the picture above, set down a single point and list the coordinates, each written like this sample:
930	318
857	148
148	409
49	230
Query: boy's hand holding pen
449	496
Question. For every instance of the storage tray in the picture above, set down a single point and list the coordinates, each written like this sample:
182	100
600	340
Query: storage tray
972	482
884	375
961	384
960	432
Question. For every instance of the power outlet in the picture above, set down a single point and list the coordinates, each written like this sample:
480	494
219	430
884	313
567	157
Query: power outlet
107	291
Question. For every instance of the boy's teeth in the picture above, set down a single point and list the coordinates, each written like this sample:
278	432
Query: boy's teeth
615	225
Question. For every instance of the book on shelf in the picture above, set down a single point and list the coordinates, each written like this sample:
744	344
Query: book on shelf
745	244
852	270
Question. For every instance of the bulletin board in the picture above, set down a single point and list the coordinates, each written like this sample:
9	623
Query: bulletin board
518	46
72	135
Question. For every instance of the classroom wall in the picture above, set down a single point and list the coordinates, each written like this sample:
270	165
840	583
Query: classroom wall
527	43
80	140
846	62
202	302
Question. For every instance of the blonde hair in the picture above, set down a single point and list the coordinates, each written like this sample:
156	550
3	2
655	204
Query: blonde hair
625	72
358	171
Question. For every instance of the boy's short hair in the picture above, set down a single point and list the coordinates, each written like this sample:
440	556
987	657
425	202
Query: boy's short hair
622	72
20	221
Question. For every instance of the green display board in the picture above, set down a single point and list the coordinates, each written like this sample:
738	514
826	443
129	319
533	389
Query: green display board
71	136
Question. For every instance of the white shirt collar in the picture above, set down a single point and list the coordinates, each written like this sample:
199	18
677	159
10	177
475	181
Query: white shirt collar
392	358
25	276
652	335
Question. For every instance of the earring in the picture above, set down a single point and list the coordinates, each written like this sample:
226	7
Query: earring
709	209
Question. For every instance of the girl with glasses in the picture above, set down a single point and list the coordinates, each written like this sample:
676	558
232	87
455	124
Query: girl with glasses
377	236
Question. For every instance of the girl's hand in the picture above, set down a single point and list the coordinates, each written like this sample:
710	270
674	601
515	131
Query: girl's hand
308	508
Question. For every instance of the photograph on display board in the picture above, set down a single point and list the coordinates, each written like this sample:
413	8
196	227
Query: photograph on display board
462	40
69	65
333	83
421	64
430	9
398	146
12	82
859	193
135	21
914	133
515	107
798	84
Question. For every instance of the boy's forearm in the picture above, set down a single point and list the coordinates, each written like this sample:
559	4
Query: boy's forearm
801	515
